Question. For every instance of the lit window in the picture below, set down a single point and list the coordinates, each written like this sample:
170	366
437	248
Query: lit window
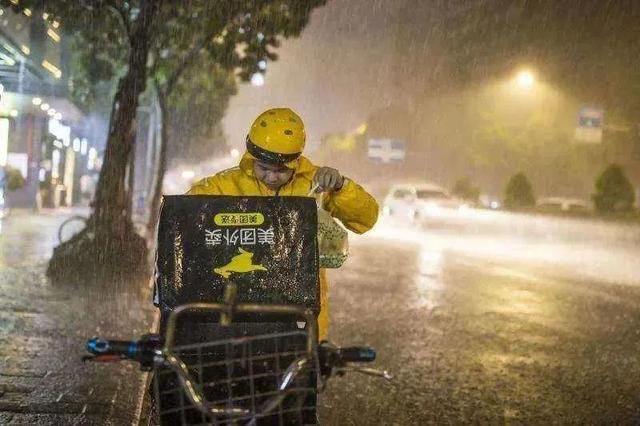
55	159
54	35
8	60
93	155
52	69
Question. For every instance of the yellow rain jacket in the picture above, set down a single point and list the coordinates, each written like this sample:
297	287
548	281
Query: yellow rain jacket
352	205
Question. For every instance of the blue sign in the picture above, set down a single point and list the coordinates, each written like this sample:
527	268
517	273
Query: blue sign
590	117
590	125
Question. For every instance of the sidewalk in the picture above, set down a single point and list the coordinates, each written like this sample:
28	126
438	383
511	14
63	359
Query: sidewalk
43	329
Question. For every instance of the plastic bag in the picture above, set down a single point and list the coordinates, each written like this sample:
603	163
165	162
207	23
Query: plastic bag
333	242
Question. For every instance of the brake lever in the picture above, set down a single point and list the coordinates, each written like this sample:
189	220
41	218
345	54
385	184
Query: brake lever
365	370
101	358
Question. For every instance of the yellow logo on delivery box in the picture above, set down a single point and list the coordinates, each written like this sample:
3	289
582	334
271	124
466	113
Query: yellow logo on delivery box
238	219
240	263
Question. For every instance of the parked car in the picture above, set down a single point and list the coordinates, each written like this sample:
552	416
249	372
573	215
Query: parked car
560	204
421	201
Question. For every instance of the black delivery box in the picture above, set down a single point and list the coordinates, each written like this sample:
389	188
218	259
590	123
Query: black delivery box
267	246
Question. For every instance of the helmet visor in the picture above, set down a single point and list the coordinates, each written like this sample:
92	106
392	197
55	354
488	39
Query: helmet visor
269	156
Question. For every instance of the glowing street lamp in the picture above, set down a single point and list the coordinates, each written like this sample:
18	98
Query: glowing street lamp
257	79
525	79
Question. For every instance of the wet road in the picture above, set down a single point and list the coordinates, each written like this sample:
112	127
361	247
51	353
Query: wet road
43	329
539	326
489	329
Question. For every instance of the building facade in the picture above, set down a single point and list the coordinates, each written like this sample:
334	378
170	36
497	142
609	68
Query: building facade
42	133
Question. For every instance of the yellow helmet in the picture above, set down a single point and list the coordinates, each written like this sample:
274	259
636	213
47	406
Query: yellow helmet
276	136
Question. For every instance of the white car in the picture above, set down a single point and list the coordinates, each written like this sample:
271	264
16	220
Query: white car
563	204
421	201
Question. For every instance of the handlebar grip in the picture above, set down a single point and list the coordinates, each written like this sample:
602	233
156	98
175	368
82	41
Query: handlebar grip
126	348
357	354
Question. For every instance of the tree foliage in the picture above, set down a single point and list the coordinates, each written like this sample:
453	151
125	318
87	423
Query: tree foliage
519	193
194	121
464	189
13	179
614	192
135	40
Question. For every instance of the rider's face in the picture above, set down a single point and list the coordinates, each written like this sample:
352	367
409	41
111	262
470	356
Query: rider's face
272	175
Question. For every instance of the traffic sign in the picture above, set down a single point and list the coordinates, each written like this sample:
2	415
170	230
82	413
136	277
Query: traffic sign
386	150
590	125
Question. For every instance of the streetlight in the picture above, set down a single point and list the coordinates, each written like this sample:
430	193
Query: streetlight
525	79
257	79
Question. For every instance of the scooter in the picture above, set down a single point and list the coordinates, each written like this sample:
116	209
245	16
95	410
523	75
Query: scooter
260	379
242	360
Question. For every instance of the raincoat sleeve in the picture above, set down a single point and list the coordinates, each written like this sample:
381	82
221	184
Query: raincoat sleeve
353	206
206	186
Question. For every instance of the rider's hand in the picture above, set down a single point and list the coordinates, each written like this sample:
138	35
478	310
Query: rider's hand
328	180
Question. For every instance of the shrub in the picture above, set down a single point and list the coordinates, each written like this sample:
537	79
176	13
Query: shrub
519	193
614	192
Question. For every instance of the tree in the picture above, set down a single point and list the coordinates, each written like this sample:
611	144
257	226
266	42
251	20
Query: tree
109	243
12	179
614	192
200	37
132	41
194	121
519	193
465	190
